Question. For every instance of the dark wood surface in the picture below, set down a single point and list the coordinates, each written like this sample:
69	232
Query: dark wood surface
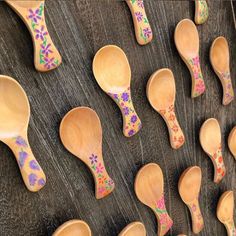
79	28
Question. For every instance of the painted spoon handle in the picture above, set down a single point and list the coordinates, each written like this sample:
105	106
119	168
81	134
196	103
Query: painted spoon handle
198	85
230	227
201	11
163	218
142	27
197	219
104	185
30	169
177	138
131	122
228	92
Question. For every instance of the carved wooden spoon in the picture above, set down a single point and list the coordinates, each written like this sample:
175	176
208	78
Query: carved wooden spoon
46	56
187	43
219	57
225	212
201	11
81	134
112	72
142	27
161	95
73	228
149	188
133	229
210	139
232	142
14	121
189	187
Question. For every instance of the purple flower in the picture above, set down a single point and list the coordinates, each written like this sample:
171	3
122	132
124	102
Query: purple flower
34	15
32	179
133	118
140	3
22	157
41	182
40	33
131	132
21	142
125	97
139	16
46	49
147	32
110	182
93	159
126	111
49	62
34	165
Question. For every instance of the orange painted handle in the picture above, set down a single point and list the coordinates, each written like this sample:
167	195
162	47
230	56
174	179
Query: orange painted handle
30	169
177	138
201	11
142	27
131	122
197	219
230	227
228	92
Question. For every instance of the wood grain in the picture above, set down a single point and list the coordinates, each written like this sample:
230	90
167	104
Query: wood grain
79	28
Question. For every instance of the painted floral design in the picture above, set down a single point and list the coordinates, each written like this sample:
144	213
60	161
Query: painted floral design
228	88
132	123
21	142
35	16
164	219
196	212
231	228
198	82
202	13
176	134
105	184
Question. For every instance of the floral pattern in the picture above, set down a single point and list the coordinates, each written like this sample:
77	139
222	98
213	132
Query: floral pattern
164	220
197	219
132	123
201	11
228	88
231	228
105	184
198	83
177	138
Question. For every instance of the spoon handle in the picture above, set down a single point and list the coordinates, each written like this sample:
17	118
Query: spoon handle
219	165
142	27
228	92
163	218
30	169
198	85
103	183
131	122
197	219
230	227
46	55
177	138
201	11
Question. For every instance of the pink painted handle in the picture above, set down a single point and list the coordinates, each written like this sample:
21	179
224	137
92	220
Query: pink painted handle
177	138
131	122
228	92
198	85
230	227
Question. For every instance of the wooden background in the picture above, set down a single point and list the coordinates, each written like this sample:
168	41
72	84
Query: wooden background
79	28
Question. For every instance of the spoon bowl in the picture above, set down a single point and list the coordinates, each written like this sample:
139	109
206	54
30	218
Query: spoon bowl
134	229
232	142
27	3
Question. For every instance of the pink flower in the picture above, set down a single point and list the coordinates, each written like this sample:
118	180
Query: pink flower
140	3
101	190
196	61
161	203
99	168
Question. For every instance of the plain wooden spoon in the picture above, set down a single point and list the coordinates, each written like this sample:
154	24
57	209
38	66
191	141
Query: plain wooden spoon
81	134
46	56
232	142
134	229
112	72
219	57
142	27
201	11
225	212
161	95
73	228
187	43
149	188
210	139
14	121
189	188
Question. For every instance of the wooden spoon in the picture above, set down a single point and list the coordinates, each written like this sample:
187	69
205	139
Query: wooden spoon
161	95
201	11
149	188
142	27
225	212
112	72
14	121
81	134
210	139
187	43
134	229
219	57
46	56
189	187
73	228
232	142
